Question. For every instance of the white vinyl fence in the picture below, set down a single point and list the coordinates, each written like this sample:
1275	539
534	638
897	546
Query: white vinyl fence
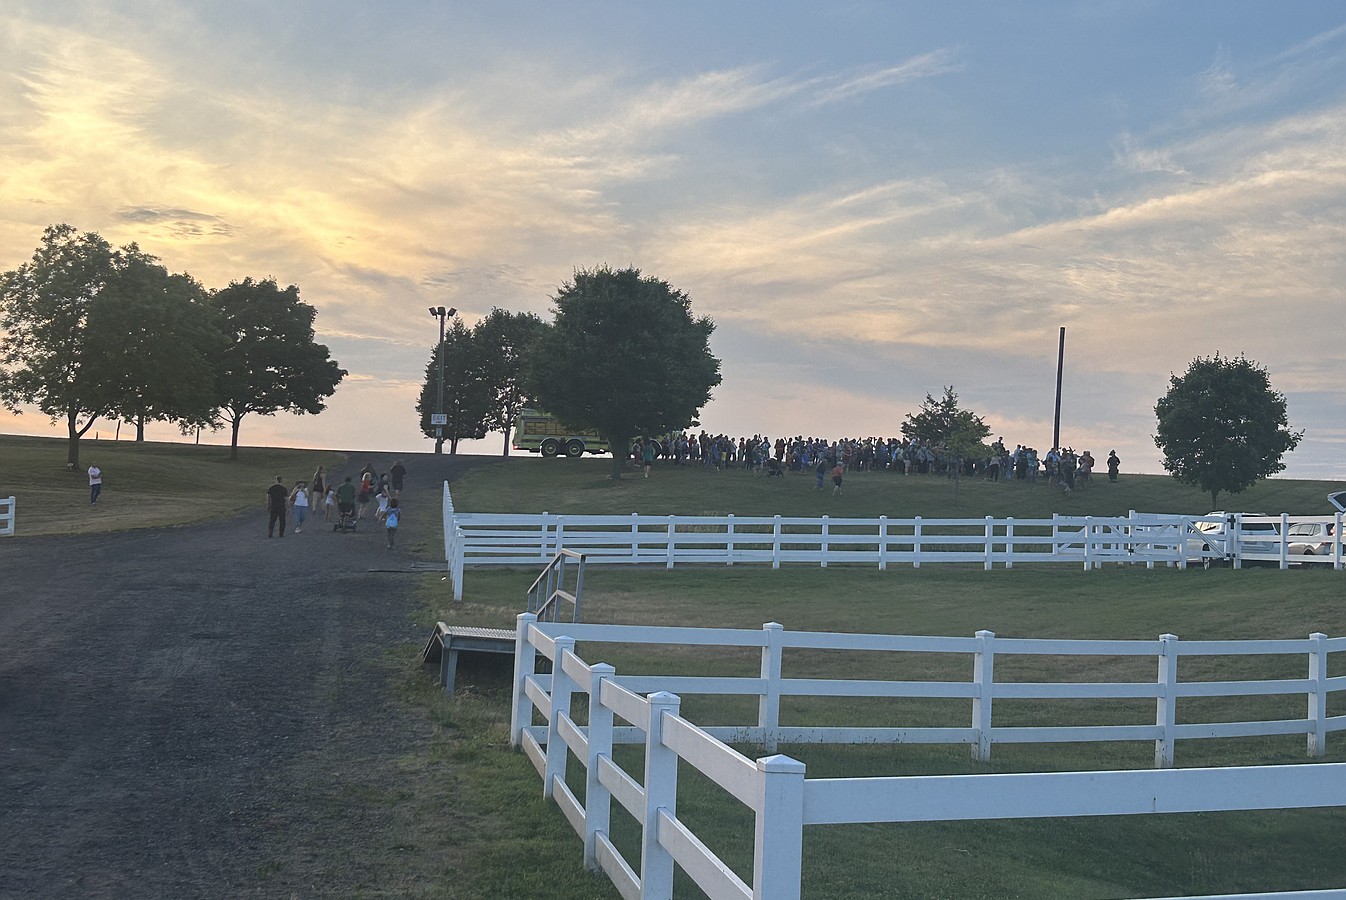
783	800
7	506
491	539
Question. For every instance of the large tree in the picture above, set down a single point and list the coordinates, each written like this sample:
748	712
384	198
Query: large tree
624	355
269	361
943	423
158	334
505	340
49	356
1222	427
468	392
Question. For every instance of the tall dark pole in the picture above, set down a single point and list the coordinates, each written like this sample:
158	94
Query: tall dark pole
1060	364
440	313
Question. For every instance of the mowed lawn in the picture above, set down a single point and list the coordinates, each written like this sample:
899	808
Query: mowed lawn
522	842
480	804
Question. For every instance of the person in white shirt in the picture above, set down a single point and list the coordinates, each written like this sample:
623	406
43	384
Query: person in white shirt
95	484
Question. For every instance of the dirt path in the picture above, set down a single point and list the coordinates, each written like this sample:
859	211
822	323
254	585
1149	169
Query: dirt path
203	712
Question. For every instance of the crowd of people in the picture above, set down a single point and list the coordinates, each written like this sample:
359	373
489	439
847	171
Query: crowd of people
348	501
903	456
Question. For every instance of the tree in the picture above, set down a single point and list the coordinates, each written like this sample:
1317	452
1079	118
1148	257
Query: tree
624	355
941	423
269	361
157	333
49	355
504	340
467	389
1222	427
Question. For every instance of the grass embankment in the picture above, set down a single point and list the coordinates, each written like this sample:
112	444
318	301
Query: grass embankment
517	842
144	485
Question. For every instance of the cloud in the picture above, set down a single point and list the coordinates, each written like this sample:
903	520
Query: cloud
927	65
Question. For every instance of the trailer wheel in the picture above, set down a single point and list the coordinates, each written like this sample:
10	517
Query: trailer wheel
551	447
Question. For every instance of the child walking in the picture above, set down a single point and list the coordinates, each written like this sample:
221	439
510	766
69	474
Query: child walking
391	518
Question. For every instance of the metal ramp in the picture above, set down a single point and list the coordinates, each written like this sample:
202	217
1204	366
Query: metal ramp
544	599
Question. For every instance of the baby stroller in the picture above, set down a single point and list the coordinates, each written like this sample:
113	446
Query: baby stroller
345	518
773	469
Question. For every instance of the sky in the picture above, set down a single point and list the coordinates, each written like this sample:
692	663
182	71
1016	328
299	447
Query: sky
872	200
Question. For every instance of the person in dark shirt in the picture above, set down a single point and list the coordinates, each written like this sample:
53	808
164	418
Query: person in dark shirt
398	474
276	498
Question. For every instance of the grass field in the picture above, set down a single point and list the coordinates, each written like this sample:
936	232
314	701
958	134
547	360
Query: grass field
484	802
1115	857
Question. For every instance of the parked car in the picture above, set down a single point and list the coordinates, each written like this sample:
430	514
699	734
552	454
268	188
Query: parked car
1208	543
1311	538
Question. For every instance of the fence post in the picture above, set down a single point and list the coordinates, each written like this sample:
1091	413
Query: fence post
1088	543
983	674
597	798
457	565
822	543
1009	542
1165	714
1336	544
672	541
1234	538
775	543
1318	694
1056	533
883	543
916	543
729	539
661	793
768	703
525	663
779	840
561	688
990	542
1285	540
635	537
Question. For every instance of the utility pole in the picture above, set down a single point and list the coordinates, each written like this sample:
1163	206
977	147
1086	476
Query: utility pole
439	420
1060	364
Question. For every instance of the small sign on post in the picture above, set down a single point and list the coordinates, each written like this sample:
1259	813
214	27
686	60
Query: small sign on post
439	418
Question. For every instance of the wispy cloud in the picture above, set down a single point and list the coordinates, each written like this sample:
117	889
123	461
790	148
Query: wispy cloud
834	89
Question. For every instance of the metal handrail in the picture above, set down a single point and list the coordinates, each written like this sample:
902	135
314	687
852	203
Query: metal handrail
549	587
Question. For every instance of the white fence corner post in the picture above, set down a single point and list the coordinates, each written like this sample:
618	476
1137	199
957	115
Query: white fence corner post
525	663
768	704
983	675
597	798
561	687
779	842
661	794
1318	694
1166	705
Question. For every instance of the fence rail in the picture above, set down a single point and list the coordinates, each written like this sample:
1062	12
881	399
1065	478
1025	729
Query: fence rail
492	539
782	800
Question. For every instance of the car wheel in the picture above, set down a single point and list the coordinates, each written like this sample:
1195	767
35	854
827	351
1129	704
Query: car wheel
551	447
574	449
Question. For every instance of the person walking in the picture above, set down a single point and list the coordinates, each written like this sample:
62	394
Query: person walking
95	483
391	520
837	472
398	475
1114	465
276	495
299	503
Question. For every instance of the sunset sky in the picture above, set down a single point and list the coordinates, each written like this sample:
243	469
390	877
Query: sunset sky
872	200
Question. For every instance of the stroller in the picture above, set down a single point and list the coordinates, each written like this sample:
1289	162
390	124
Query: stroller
773	469
345	518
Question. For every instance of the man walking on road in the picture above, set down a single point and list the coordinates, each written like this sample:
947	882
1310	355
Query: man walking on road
276	497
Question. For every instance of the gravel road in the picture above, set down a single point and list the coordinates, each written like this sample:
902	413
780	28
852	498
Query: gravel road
203	712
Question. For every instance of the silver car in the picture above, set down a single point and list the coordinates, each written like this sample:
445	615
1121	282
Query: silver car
1312	538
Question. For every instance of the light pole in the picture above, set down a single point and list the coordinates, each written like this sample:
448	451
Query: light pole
438	419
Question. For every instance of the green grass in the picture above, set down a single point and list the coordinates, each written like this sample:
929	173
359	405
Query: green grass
1103	857
144	485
